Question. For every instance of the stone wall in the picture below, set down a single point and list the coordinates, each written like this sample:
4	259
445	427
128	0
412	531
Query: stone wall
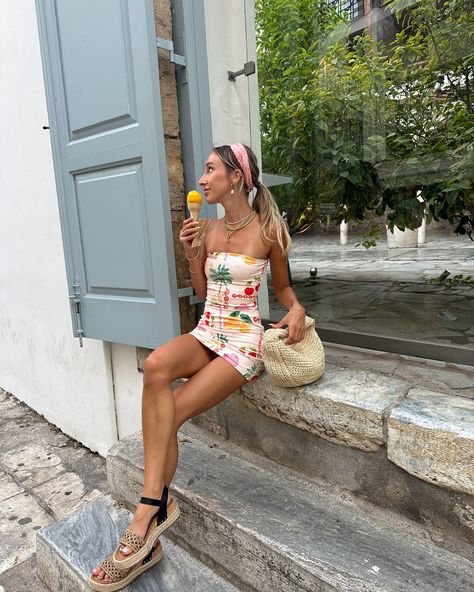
169	102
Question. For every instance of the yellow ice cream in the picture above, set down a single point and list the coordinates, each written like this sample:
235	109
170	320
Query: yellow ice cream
194	200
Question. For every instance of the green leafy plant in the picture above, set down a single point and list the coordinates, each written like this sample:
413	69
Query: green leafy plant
370	238
456	280
290	36
221	275
431	122
372	129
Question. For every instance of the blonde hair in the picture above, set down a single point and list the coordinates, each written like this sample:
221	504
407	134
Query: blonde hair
273	226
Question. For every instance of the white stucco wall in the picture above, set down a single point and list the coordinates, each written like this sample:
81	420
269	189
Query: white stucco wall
41	362
92	393
227	50
128	389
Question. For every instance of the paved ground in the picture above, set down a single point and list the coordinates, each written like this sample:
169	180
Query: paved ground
386	291
44	476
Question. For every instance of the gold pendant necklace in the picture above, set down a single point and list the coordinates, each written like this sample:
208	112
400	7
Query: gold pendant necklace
230	231
239	221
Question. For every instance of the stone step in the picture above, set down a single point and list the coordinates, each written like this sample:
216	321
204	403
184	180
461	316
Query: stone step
402	448
275	531
68	550
434	375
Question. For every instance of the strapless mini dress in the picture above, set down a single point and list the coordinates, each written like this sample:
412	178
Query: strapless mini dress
230	325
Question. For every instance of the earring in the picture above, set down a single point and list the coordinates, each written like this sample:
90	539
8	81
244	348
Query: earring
232	190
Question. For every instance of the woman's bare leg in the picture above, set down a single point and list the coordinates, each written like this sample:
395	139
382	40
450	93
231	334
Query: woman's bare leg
211	385
181	357
215	381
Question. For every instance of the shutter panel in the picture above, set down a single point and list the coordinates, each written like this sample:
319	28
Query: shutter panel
102	89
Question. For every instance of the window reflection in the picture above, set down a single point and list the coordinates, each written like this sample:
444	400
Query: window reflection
369	108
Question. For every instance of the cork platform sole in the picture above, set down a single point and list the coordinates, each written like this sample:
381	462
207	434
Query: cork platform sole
141	547
123	577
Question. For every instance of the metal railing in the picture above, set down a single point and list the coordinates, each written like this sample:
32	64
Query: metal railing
355	8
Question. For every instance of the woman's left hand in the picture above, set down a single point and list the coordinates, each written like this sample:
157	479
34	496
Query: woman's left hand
295	320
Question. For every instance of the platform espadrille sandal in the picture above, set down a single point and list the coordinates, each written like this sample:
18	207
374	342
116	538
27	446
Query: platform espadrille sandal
165	517
119	578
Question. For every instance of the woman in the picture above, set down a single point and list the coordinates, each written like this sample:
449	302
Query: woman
220	355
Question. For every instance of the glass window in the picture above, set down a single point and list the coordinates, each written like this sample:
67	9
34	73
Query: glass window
369	108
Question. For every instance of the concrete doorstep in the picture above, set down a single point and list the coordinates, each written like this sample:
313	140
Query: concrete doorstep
428	434
68	550
277	532
373	436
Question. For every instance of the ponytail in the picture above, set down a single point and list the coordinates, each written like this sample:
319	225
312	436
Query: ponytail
273	225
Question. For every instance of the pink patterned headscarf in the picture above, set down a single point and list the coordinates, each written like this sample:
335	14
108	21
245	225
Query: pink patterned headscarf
242	156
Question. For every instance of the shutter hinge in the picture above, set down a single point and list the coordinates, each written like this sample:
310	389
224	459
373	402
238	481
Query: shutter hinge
193	298
76	302
169	46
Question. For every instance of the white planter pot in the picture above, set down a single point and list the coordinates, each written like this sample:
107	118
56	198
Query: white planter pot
343	227
422	233
399	239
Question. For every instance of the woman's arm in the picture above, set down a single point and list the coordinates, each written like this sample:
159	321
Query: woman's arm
196	256
295	318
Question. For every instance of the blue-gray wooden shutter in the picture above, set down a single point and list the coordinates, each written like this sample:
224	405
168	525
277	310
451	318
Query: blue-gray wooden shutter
102	89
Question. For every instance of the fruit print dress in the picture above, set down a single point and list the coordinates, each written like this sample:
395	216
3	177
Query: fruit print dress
230	324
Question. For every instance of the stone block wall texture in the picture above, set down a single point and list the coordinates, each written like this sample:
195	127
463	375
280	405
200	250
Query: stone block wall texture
169	105
428	434
431	436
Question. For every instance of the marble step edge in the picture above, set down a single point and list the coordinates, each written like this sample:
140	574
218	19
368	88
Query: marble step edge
69	549
446	516
428	434
236	512
444	377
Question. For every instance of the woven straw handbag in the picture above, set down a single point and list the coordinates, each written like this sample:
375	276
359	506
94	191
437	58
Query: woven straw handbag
296	364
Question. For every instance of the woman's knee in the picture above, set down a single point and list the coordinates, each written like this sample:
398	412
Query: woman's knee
158	367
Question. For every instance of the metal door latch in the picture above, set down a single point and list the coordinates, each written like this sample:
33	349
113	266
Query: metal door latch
75	298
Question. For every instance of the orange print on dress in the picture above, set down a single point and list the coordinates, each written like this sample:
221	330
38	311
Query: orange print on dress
232	323
238	320
249	260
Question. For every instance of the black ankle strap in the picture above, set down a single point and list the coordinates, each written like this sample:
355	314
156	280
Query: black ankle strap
154	502
150	501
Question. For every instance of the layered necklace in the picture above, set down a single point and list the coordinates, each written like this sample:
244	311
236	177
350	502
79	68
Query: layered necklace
231	227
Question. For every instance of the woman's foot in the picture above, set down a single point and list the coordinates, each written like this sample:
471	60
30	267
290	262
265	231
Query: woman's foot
116	578
139	525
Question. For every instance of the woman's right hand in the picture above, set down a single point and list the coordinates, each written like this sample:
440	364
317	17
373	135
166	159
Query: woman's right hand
187	234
